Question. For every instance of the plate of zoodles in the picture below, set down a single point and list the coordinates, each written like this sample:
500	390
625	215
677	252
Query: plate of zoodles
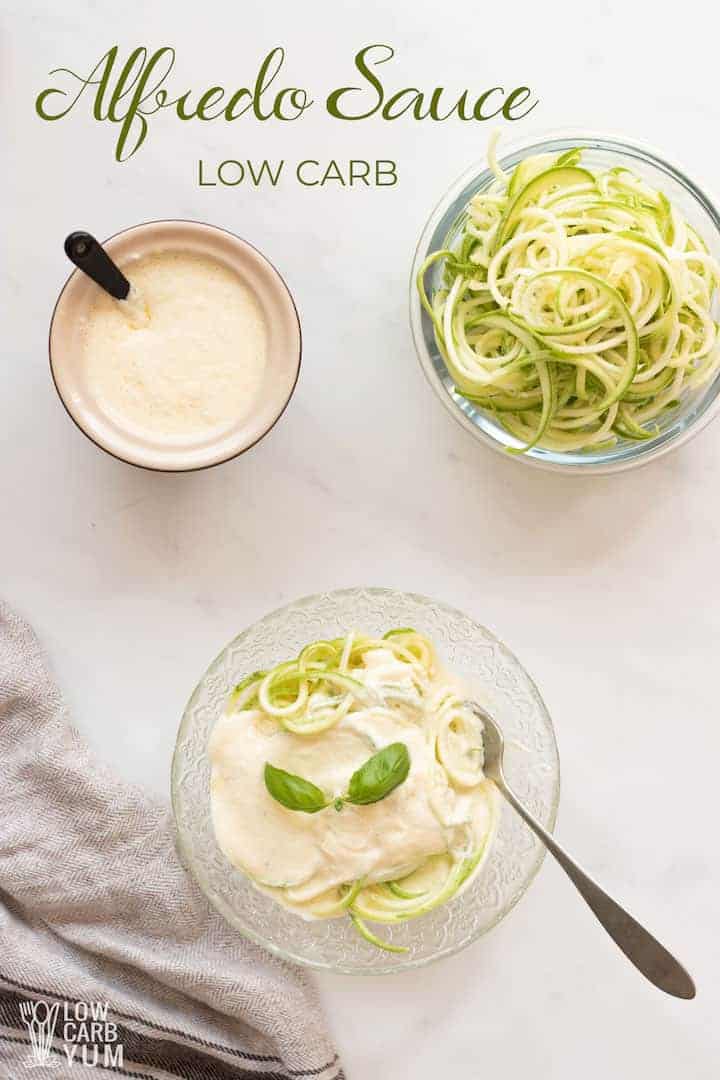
328	781
565	303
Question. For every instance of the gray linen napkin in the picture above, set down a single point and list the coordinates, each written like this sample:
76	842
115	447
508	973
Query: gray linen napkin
109	954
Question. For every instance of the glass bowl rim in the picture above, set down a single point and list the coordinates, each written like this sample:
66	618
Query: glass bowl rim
219	905
451	201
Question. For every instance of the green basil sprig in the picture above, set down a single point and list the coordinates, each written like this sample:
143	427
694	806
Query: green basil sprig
373	781
380	775
294	792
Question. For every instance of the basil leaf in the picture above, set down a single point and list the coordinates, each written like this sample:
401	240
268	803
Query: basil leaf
293	792
380	775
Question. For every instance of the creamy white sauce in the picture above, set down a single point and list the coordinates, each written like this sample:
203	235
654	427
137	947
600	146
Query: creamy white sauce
309	854
183	358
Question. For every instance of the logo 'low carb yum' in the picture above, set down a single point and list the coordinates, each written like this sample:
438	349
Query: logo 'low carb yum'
76	1033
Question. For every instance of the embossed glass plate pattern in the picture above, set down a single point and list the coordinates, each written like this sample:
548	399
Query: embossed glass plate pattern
494	676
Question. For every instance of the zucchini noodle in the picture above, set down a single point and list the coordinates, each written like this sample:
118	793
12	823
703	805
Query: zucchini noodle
577	308
344	699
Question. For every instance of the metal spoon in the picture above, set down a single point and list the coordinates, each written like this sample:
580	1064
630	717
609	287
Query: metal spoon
647	954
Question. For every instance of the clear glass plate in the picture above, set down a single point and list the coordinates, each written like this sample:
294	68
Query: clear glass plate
443	230
493	674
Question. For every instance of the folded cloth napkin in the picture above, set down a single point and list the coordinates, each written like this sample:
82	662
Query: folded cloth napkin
109	953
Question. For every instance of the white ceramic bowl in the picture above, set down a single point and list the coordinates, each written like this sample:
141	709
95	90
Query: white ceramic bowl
283	335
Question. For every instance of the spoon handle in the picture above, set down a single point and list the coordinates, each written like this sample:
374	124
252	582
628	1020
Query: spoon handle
90	257
647	954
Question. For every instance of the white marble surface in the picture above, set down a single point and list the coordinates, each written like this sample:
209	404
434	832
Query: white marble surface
606	589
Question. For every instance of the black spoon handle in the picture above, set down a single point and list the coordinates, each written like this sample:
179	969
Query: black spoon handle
90	257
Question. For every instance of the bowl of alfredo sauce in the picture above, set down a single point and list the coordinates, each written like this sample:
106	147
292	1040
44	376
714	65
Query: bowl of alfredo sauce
195	366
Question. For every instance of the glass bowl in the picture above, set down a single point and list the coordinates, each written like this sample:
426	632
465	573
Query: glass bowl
442	231
493	674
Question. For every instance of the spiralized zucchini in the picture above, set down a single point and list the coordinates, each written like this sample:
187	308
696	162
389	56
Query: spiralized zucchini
333	683
577	307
